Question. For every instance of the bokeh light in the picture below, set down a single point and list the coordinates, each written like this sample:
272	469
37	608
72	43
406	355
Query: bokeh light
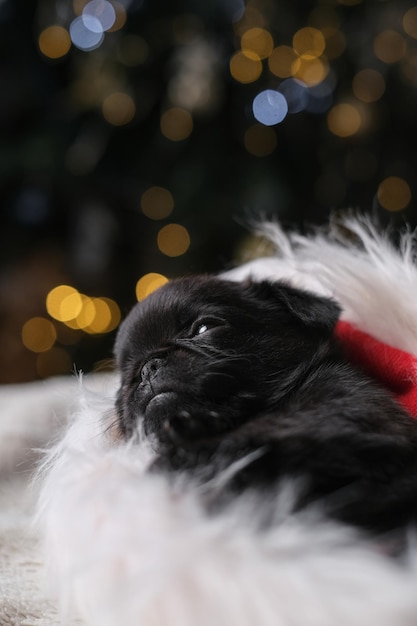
104	13
63	303
368	85
86	33
118	109
86	315
149	283
281	61
344	120
157	203
270	107
176	124
309	42
311	71
245	69
410	22
120	19
38	334
260	140
54	42
257	43
106	316
394	193
78	6
80	312
173	240
389	46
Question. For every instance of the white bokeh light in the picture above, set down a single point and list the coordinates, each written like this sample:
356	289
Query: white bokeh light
103	13
270	107
86	38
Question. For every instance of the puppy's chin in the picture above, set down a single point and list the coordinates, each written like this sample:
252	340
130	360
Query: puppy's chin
174	417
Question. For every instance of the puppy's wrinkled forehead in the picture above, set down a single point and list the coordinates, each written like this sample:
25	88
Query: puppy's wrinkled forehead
256	309
173	308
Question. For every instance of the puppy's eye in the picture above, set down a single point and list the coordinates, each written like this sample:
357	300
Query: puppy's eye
204	325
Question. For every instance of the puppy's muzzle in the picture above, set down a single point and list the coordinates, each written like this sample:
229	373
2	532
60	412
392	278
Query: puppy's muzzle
150	369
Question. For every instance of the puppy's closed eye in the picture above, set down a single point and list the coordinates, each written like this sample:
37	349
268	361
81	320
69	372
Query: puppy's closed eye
205	324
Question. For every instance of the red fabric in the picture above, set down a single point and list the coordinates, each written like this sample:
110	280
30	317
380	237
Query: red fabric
394	368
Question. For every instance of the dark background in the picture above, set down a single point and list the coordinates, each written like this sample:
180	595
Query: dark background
72	181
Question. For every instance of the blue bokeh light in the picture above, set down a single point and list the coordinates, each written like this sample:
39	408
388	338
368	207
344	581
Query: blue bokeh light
83	37
104	15
270	107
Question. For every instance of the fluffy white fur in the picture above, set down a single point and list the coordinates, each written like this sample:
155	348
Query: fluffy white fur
125	547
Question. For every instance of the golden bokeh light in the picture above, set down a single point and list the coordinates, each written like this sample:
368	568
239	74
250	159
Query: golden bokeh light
78	6
281	61
260	140
148	284
63	303
38	334
257	42
173	240
176	124
344	120
368	85
394	193
118	108
55	362
121	17
86	315
80	312
410	22
389	46
157	203
106	316
311	71
245	69
54	42
309	42
116	314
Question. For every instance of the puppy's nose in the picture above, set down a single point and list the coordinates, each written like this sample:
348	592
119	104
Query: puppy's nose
149	369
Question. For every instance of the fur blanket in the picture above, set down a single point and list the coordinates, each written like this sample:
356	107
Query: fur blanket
121	546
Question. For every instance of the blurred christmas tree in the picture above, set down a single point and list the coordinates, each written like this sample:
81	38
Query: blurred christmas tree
137	136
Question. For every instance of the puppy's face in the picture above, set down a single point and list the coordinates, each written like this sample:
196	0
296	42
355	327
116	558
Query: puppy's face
201	356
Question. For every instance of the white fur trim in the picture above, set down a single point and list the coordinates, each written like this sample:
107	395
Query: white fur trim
128	548
355	263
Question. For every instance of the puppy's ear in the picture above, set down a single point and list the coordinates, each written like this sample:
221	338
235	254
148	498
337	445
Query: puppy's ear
308	308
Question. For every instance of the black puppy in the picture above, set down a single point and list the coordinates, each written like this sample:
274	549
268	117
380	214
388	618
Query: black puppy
213	371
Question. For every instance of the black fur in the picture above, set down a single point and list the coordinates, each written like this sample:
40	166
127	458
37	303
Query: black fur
215	370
